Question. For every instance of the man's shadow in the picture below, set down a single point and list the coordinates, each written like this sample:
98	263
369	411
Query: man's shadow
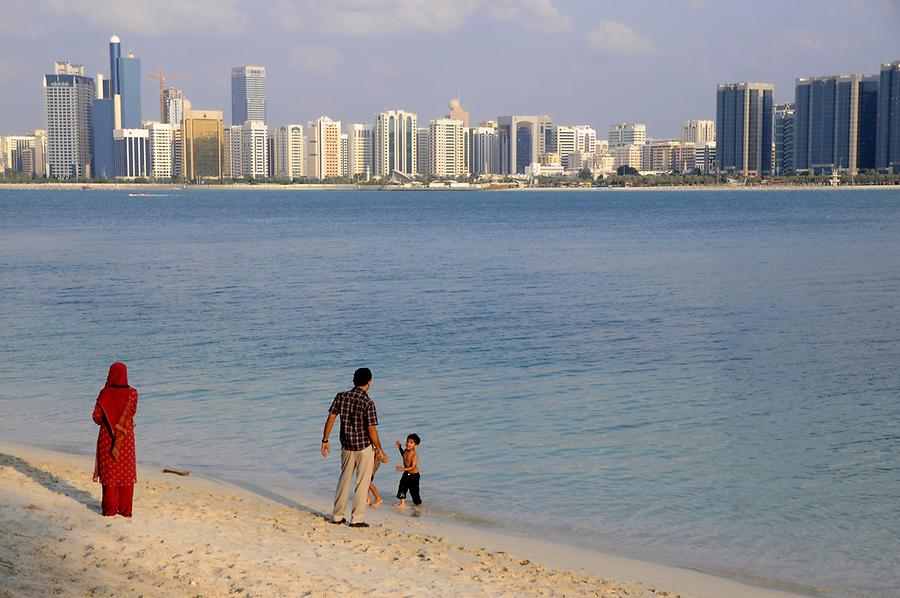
50	481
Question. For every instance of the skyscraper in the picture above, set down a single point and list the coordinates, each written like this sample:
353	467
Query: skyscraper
129	80
174	105
887	151
744	128
359	150
67	114
484	152
254	149
105	114
834	123
447	151
784	138
324	141
290	149
162	145
248	94
396	143
522	140
203	140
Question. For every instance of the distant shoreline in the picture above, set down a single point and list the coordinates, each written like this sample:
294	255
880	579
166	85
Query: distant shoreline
147	187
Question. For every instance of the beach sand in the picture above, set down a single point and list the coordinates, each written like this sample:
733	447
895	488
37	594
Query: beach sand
197	537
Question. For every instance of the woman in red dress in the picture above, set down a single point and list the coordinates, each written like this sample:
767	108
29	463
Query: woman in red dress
115	466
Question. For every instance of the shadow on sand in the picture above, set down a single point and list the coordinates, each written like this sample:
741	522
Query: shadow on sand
50	481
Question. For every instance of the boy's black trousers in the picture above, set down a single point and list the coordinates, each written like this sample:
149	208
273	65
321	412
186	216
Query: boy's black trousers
409	482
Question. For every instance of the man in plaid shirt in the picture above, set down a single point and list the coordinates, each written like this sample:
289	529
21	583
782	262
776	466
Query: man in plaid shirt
359	438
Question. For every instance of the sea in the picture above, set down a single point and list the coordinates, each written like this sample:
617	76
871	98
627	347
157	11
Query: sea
709	379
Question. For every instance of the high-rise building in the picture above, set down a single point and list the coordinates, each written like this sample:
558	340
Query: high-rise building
254	137
585	138
203	136
698	131
232	150
290	149
744	128
395	142
248	94
423	150
659	155
174	105
162	146
106	117
627	134
177	152
359	151
887	147
626	155
67	115
132	149
457	113
566	143
129	69
484	152
324	141
705	157
447	151
345	159
784	138
522	140
834	120
22	154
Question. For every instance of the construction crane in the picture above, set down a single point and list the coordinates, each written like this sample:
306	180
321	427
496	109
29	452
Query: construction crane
162	85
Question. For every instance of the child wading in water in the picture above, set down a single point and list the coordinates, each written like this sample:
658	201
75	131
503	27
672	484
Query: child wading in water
410	468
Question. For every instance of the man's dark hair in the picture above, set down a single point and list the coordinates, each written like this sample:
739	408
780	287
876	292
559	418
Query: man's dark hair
415	438
362	376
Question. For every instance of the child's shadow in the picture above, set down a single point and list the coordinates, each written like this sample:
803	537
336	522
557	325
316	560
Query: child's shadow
50	481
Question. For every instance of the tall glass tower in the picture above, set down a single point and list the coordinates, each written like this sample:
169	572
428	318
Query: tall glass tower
744	128
248	94
887	153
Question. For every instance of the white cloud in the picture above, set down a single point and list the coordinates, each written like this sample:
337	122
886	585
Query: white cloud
149	17
315	59
612	37
534	14
358	18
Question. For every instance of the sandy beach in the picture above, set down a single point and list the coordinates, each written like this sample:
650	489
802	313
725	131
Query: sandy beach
192	536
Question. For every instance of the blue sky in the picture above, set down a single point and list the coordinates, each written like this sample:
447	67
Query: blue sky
581	61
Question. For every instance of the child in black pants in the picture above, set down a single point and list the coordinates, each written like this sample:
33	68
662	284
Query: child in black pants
410	468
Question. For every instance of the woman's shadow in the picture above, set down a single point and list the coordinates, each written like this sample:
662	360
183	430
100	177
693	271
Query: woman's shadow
50	481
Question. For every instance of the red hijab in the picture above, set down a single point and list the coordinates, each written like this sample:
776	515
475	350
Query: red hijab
116	394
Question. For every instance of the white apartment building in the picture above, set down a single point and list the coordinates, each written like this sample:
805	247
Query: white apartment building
290	152
359	151
601	147
254	149
585	138
484	152
395	141
324	143
627	134
566	143
162	149
447	148
698	131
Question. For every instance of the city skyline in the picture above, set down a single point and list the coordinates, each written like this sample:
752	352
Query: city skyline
589	68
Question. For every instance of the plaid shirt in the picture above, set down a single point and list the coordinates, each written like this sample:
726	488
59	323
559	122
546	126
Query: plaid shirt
357	413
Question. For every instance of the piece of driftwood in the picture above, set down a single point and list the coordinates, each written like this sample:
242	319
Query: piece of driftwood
180	472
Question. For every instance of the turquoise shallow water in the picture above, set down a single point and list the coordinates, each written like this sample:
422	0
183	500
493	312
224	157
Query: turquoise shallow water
708	379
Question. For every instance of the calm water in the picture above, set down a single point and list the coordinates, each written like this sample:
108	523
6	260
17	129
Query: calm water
709	379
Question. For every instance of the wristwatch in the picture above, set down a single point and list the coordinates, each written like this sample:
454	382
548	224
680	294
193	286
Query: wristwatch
324	440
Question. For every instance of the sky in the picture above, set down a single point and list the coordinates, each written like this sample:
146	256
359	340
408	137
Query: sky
595	62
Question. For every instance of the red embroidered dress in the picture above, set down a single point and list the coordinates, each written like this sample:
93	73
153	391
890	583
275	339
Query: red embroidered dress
114	413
